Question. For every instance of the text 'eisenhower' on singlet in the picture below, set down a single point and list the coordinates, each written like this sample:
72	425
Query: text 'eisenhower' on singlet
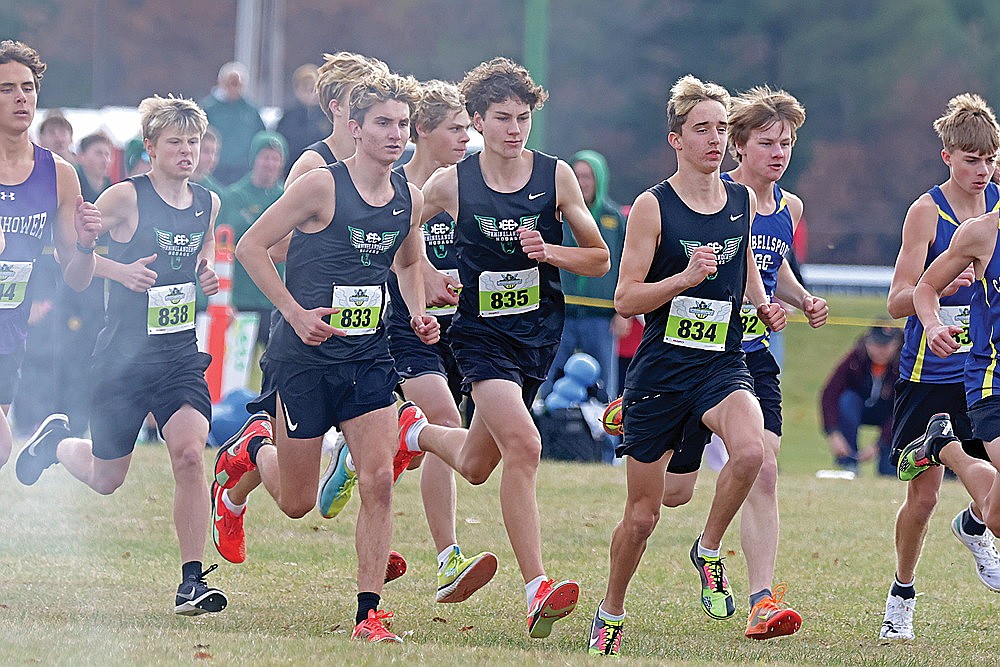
504	293
703	322
346	265
916	361
27	214
155	325
770	240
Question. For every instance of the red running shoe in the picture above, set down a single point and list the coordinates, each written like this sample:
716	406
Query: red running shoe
396	567
227	529
373	630
233	460
409	416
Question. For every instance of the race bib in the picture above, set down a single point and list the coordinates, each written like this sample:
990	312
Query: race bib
753	328
13	283
445	310
360	308
171	309
508	292
958	316
698	323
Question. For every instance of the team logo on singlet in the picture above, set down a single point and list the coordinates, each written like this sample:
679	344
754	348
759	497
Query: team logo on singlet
504	230
996	284
438	236
371	243
723	251
178	246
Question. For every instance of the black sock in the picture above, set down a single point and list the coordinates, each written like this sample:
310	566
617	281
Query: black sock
366	602
191	569
759	595
907	592
254	446
970	526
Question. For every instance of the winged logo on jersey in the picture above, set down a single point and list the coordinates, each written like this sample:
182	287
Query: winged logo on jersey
723	251
438	235
178	246
505	230
371	243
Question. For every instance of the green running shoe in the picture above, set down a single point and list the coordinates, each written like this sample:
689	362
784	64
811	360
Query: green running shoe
337	484
461	577
716	599
606	636
923	452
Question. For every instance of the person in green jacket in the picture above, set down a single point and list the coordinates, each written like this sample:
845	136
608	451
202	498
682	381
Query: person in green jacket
236	121
593	326
242	204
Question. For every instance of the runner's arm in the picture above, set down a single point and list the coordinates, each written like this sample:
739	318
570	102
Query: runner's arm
78	223
919	227
409	264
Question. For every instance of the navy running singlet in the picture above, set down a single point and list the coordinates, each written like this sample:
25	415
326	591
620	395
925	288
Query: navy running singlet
346	265
700	326
158	324
503	291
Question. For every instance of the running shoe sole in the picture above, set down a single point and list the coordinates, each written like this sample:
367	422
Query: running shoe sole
559	604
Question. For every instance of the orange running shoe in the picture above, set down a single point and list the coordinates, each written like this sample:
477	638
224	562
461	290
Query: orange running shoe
409	416
227	529
770	617
552	602
396	567
373	630
233	460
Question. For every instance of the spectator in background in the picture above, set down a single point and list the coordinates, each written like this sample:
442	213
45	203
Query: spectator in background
207	162
56	134
595	327
860	392
136	158
94	165
305	123
236	121
242	204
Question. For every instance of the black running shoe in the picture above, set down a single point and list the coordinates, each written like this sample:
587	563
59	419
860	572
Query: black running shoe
923	452
195	597
39	452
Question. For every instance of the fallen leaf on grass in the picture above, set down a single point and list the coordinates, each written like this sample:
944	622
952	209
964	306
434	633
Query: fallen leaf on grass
472	522
815	554
3	606
334	628
438	619
202	655
466	628
730	553
127	554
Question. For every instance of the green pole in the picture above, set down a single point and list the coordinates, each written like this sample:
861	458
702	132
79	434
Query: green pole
536	48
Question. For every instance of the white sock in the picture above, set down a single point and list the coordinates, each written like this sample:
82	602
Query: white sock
531	588
708	553
230	505
902	585
413	435
443	556
349	462
609	617
975	518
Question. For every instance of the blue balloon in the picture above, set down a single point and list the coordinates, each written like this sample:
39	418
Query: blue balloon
582	367
556	401
570	388
228	415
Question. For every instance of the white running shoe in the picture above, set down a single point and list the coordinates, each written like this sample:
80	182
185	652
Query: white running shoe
898	621
983	551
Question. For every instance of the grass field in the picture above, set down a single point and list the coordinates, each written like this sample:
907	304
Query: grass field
88	579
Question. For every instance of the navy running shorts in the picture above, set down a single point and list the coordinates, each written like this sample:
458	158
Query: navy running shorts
985	417
124	394
654	423
316	398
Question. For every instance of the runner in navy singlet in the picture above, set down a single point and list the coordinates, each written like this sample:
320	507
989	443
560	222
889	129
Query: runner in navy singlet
508	204
146	358
762	131
329	355
687	264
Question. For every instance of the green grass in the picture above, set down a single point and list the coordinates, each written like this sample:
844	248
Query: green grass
90	579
